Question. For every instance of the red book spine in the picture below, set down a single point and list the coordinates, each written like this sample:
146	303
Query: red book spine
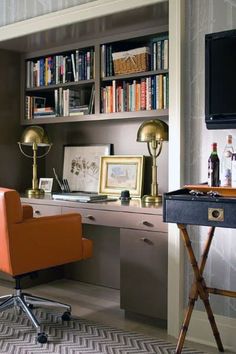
143	94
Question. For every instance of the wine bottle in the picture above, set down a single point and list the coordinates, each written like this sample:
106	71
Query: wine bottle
214	167
226	170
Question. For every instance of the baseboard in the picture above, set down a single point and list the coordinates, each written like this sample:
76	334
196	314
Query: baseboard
146	319
200	330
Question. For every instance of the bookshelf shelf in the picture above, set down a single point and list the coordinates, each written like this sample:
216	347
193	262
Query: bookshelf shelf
65	85
152	114
134	75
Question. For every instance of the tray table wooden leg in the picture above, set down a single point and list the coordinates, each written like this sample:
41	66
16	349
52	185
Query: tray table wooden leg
198	289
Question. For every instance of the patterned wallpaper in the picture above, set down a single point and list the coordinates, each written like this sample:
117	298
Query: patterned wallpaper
206	16
19	10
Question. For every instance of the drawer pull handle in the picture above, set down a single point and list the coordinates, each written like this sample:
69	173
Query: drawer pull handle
37	212
90	217
215	214
146	223
146	240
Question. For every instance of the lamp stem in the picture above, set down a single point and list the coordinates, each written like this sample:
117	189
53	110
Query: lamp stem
35	184
154	185
153	152
154	148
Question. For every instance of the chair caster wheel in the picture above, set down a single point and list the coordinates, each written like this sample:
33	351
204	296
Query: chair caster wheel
66	316
42	338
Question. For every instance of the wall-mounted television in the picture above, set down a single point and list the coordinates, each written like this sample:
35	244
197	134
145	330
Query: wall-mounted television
220	80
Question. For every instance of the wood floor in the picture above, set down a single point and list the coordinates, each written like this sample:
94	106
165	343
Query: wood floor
98	304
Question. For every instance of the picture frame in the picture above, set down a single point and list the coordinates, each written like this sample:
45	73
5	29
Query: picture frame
81	166
46	184
122	172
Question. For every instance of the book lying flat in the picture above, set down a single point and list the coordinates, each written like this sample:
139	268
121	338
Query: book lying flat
79	197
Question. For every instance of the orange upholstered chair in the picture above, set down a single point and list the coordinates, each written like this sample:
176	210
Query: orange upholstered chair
29	244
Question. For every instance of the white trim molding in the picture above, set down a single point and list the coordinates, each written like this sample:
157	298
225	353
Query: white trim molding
70	15
176	161
200	330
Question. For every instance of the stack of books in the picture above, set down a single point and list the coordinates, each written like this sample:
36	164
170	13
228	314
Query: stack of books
44	112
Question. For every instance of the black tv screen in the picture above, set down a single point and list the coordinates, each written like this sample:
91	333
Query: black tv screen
220	80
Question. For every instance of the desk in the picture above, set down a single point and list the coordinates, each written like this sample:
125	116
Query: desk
183	208
140	249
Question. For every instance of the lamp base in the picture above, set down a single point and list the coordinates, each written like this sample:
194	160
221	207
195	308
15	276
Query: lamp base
35	192
155	199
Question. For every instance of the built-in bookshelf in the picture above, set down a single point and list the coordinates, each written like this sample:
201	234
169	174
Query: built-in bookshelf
60	85
120	79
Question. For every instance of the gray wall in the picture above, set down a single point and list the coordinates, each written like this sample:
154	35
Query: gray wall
19	10
14	166
206	16
121	134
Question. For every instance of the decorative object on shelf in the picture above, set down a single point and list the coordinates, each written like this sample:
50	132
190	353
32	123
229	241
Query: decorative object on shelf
34	136
82	164
131	61
121	172
153	132
46	184
63	183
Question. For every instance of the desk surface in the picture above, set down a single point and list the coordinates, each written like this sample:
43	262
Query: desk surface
131	206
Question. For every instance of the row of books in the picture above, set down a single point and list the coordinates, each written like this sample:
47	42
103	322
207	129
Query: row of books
160	54
65	100
57	69
107	68
66	103
158	58
142	94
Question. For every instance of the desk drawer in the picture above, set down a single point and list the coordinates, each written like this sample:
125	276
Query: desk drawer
45	210
120	219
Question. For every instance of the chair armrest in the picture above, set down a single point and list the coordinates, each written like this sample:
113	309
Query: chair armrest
27	212
49	241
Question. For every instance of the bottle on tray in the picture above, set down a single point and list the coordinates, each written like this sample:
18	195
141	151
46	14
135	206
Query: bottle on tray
226	163
213	167
233	170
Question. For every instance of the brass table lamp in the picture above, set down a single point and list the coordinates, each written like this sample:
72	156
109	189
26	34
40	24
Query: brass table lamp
153	132
34	136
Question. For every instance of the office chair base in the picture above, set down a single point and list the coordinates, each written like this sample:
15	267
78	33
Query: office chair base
25	302
42	338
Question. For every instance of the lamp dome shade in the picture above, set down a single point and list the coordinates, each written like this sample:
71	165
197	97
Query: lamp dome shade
152	130
34	134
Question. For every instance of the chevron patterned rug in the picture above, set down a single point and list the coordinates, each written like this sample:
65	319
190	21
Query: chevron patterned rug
77	336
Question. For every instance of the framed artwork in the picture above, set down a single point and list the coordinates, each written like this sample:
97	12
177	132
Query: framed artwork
82	165
46	184
119	173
